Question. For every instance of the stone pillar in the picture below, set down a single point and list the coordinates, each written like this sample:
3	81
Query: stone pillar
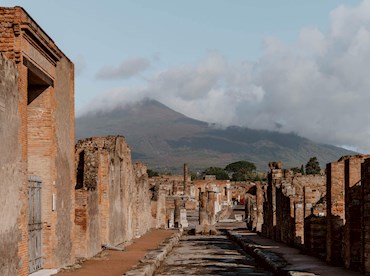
207	216
161	209
171	218
211	207
177	218
274	179
203	216
298	221
259	204
183	218
335	211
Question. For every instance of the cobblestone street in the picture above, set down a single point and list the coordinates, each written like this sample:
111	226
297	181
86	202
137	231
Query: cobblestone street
209	255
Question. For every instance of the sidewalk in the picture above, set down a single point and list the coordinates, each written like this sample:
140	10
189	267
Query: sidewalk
295	261
115	263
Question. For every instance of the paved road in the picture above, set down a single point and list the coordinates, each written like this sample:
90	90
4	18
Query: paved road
208	255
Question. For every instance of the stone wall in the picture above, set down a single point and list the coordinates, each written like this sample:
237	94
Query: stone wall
12	170
287	201
365	220
112	195
351	250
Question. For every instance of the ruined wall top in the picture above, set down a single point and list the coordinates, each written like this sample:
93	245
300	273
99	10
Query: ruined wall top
18	23
357	156
109	143
275	165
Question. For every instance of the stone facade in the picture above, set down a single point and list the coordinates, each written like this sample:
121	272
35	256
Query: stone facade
37	122
112	195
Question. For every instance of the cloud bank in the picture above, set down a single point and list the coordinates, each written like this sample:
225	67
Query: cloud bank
319	87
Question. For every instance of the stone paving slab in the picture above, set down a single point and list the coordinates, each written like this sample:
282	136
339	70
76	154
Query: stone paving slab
283	259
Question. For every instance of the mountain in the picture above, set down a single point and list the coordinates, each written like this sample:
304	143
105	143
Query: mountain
165	139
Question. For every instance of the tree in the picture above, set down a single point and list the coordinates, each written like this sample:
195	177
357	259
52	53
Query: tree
242	170
237	166
218	172
238	176
313	166
151	173
295	170
302	170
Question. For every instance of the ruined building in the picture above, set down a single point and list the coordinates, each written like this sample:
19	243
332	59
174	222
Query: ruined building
172	197
112	195
327	216
37	148
344	199
286	203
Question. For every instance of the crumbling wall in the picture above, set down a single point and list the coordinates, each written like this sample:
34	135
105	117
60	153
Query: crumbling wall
12	169
112	195
288	200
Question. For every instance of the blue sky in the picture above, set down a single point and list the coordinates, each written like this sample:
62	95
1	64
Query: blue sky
266	63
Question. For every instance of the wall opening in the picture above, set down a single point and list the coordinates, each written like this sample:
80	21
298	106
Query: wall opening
80	170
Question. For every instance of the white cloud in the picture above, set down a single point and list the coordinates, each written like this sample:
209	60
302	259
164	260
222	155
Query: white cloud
125	70
319	87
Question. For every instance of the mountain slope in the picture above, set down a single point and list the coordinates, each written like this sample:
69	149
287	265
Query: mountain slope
163	138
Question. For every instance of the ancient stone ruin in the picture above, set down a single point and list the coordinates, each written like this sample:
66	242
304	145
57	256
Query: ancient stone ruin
63	202
112	200
325	215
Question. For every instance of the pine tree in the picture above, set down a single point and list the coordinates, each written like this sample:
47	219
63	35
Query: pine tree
313	166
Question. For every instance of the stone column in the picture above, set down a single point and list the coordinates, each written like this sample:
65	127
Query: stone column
259	204
211	207
203	216
178	205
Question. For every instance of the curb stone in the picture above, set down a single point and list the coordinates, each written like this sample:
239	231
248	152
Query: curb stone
154	258
272	261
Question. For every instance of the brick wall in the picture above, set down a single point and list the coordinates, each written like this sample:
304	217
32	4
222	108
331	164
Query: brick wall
335	211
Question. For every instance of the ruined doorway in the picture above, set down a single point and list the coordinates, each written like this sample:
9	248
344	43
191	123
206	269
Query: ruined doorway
34	224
